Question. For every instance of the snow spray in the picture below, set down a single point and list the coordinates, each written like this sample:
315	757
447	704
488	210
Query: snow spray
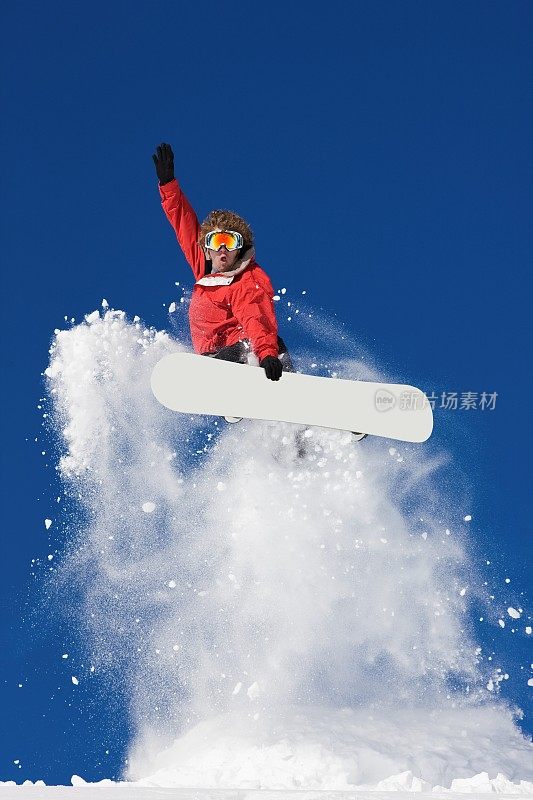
286	616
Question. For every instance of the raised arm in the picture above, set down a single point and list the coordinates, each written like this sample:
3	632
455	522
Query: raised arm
179	211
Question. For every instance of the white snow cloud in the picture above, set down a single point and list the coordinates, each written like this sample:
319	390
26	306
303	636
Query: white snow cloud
346	608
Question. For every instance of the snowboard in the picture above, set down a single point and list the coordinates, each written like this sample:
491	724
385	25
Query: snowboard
195	384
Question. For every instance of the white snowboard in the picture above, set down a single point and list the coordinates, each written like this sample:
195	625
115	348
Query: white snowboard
196	384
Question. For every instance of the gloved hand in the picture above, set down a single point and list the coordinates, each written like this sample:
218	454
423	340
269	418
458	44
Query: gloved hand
164	163
272	367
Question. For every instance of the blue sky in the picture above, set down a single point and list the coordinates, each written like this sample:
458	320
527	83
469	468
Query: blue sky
381	152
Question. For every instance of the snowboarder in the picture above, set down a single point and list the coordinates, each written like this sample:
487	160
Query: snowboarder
231	313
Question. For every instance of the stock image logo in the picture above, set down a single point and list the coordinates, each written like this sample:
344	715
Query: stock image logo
384	400
415	400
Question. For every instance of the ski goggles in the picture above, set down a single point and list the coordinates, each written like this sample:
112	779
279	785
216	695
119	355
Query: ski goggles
231	240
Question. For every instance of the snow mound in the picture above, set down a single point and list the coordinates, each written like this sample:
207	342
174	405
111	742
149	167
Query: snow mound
340	749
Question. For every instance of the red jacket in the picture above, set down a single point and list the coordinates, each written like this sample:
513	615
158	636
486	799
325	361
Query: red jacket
225	307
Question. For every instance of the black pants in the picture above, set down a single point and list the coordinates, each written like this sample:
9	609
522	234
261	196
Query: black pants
239	351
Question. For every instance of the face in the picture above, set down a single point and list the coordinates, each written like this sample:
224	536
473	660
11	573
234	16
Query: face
223	260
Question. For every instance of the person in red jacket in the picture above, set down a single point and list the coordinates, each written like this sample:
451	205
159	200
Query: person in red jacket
231	313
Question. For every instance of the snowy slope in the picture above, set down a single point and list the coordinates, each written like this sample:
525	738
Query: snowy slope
480	788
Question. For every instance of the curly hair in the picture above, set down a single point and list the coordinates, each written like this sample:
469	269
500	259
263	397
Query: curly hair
226	221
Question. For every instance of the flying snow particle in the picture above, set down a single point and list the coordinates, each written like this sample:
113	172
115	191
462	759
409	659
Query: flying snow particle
75	681
514	613
501	623
237	688
253	691
172	308
171	584
468	518
529	629
148	507
530	682
105	304
65	655
47	523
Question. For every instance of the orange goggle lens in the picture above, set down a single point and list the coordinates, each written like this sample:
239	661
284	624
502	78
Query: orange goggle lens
232	240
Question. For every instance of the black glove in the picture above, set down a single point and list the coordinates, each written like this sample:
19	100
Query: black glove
272	367
164	163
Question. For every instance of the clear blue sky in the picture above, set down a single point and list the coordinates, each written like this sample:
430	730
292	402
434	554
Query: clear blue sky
398	134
